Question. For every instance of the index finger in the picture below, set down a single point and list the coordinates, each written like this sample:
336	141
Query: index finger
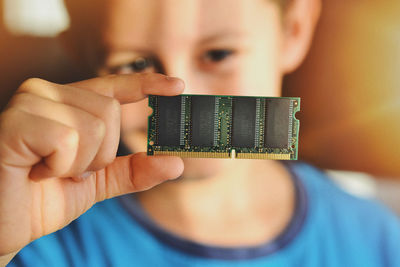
128	88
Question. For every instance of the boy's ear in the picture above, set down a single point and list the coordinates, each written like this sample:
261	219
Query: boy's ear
300	19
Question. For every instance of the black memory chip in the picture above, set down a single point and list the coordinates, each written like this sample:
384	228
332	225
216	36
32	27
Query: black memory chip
277	123
224	126
243	122
203	117
169	122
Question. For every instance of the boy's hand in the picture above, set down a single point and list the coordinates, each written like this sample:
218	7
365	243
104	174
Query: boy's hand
57	153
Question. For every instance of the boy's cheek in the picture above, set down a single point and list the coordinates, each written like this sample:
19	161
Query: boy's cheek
134	116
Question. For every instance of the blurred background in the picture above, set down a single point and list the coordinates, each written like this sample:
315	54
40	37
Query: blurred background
349	84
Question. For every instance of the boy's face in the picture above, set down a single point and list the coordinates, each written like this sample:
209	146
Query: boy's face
222	47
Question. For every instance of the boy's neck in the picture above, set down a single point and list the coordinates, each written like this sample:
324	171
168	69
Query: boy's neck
250	203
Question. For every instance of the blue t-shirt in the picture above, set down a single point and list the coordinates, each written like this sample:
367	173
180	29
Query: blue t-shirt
329	228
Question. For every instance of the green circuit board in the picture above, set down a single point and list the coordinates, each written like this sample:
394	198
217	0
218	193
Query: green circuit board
208	126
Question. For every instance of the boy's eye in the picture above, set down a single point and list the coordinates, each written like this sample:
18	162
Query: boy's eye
140	64
218	55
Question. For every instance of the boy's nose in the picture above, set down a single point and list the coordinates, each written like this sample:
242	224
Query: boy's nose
190	85
194	83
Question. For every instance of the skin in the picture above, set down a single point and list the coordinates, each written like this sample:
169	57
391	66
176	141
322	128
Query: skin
58	142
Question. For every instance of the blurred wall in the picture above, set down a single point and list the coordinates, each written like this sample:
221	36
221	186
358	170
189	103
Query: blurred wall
23	57
350	88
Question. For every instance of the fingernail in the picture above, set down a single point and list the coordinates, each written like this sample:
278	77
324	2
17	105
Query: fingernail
169	78
179	81
86	175
175	178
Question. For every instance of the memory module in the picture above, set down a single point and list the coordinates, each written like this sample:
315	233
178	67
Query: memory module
208	126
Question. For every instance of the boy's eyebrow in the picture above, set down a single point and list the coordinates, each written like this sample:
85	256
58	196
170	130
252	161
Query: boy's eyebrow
208	39
128	49
221	35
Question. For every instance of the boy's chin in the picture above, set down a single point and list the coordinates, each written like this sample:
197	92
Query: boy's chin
202	168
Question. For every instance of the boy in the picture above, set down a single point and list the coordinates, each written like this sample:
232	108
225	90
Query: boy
58	145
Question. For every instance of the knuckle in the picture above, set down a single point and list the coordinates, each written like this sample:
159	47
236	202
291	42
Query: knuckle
98	128
31	84
69	138
112	108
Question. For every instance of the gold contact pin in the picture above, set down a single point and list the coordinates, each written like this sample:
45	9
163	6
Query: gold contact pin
263	156
232	155
186	154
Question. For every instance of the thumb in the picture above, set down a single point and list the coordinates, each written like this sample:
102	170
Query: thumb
136	173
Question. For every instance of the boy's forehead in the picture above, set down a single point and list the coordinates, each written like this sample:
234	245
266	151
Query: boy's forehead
151	22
